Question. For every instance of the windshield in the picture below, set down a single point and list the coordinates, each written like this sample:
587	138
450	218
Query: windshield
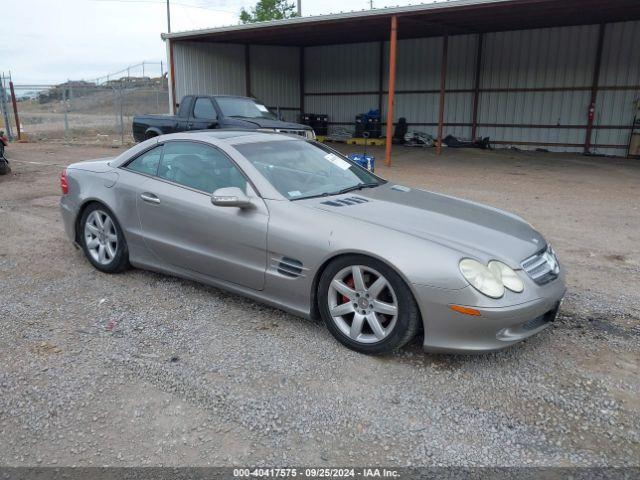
301	169
243	108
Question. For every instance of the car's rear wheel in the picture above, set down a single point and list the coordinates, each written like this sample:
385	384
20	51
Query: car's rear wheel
366	305
102	240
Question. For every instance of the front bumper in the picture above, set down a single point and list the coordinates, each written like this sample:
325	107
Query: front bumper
501	323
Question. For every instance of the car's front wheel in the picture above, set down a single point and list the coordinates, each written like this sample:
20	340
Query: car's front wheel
366	305
102	240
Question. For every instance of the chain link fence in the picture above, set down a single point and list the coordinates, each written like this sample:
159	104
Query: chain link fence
84	112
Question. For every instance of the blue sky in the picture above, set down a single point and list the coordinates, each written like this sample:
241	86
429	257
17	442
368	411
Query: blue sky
45	42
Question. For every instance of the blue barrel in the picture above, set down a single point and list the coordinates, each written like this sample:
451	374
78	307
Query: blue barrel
365	161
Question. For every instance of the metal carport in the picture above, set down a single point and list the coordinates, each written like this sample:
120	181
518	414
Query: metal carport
525	72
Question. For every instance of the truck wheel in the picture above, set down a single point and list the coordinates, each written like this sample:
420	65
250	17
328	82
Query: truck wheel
4	167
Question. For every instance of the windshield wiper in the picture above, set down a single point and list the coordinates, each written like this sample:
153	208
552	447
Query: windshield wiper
323	194
360	186
340	192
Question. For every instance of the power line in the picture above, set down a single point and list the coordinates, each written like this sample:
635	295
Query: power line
163	1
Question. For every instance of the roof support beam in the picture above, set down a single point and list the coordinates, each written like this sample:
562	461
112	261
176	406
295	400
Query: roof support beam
476	88
443	85
247	69
380	76
393	44
301	81
172	77
16	117
594	89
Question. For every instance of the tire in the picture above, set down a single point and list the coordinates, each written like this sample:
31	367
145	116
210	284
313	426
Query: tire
364	318
105	248
4	167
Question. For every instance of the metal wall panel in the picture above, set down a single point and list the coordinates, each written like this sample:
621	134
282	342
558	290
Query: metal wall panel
620	67
614	108
418	68
560	57
417	64
208	69
534	108
424	108
275	75
461	62
543	58
549	58
621	54
342	68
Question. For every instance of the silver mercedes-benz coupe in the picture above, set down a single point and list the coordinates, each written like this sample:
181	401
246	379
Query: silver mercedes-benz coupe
295	224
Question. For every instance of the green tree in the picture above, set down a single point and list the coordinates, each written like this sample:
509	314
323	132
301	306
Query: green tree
268	10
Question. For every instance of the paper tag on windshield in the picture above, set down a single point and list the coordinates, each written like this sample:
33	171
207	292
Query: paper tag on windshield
262	108
294	193
337	161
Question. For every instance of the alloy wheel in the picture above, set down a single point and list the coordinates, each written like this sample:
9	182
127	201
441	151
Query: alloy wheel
101	237
362	304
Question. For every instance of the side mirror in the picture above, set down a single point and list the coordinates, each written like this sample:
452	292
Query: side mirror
230	197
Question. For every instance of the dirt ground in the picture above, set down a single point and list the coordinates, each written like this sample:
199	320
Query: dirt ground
142	369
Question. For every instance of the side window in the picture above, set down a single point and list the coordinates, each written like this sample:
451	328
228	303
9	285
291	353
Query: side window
204	109
185	105
147	162
200	167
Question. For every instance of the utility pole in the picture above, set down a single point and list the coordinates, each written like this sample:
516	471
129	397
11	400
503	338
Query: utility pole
169	17
4	107
371	4
299	8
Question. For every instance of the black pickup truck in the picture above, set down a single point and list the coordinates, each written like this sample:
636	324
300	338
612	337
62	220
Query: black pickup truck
200	112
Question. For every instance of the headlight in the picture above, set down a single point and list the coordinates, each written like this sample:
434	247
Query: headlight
481	278
507	276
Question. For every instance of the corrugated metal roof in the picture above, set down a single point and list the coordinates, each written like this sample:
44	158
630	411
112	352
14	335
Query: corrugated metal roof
436	5
417	21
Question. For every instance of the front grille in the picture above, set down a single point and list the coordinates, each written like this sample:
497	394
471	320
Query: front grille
534	323
543	266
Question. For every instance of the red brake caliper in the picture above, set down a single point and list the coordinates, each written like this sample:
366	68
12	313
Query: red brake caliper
350	284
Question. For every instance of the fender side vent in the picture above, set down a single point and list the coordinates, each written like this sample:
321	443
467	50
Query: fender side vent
290	267
343	202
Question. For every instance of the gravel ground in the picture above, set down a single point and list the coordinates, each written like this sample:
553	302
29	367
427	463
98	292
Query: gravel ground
145	369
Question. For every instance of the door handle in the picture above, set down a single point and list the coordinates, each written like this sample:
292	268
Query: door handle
149	197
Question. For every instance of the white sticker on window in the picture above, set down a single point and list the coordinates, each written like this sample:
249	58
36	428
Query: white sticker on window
295	193
262	108
337	161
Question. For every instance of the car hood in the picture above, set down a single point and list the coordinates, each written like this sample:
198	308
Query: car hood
471	228
268	123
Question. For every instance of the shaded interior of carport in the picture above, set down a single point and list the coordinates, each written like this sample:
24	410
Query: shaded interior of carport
447	21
